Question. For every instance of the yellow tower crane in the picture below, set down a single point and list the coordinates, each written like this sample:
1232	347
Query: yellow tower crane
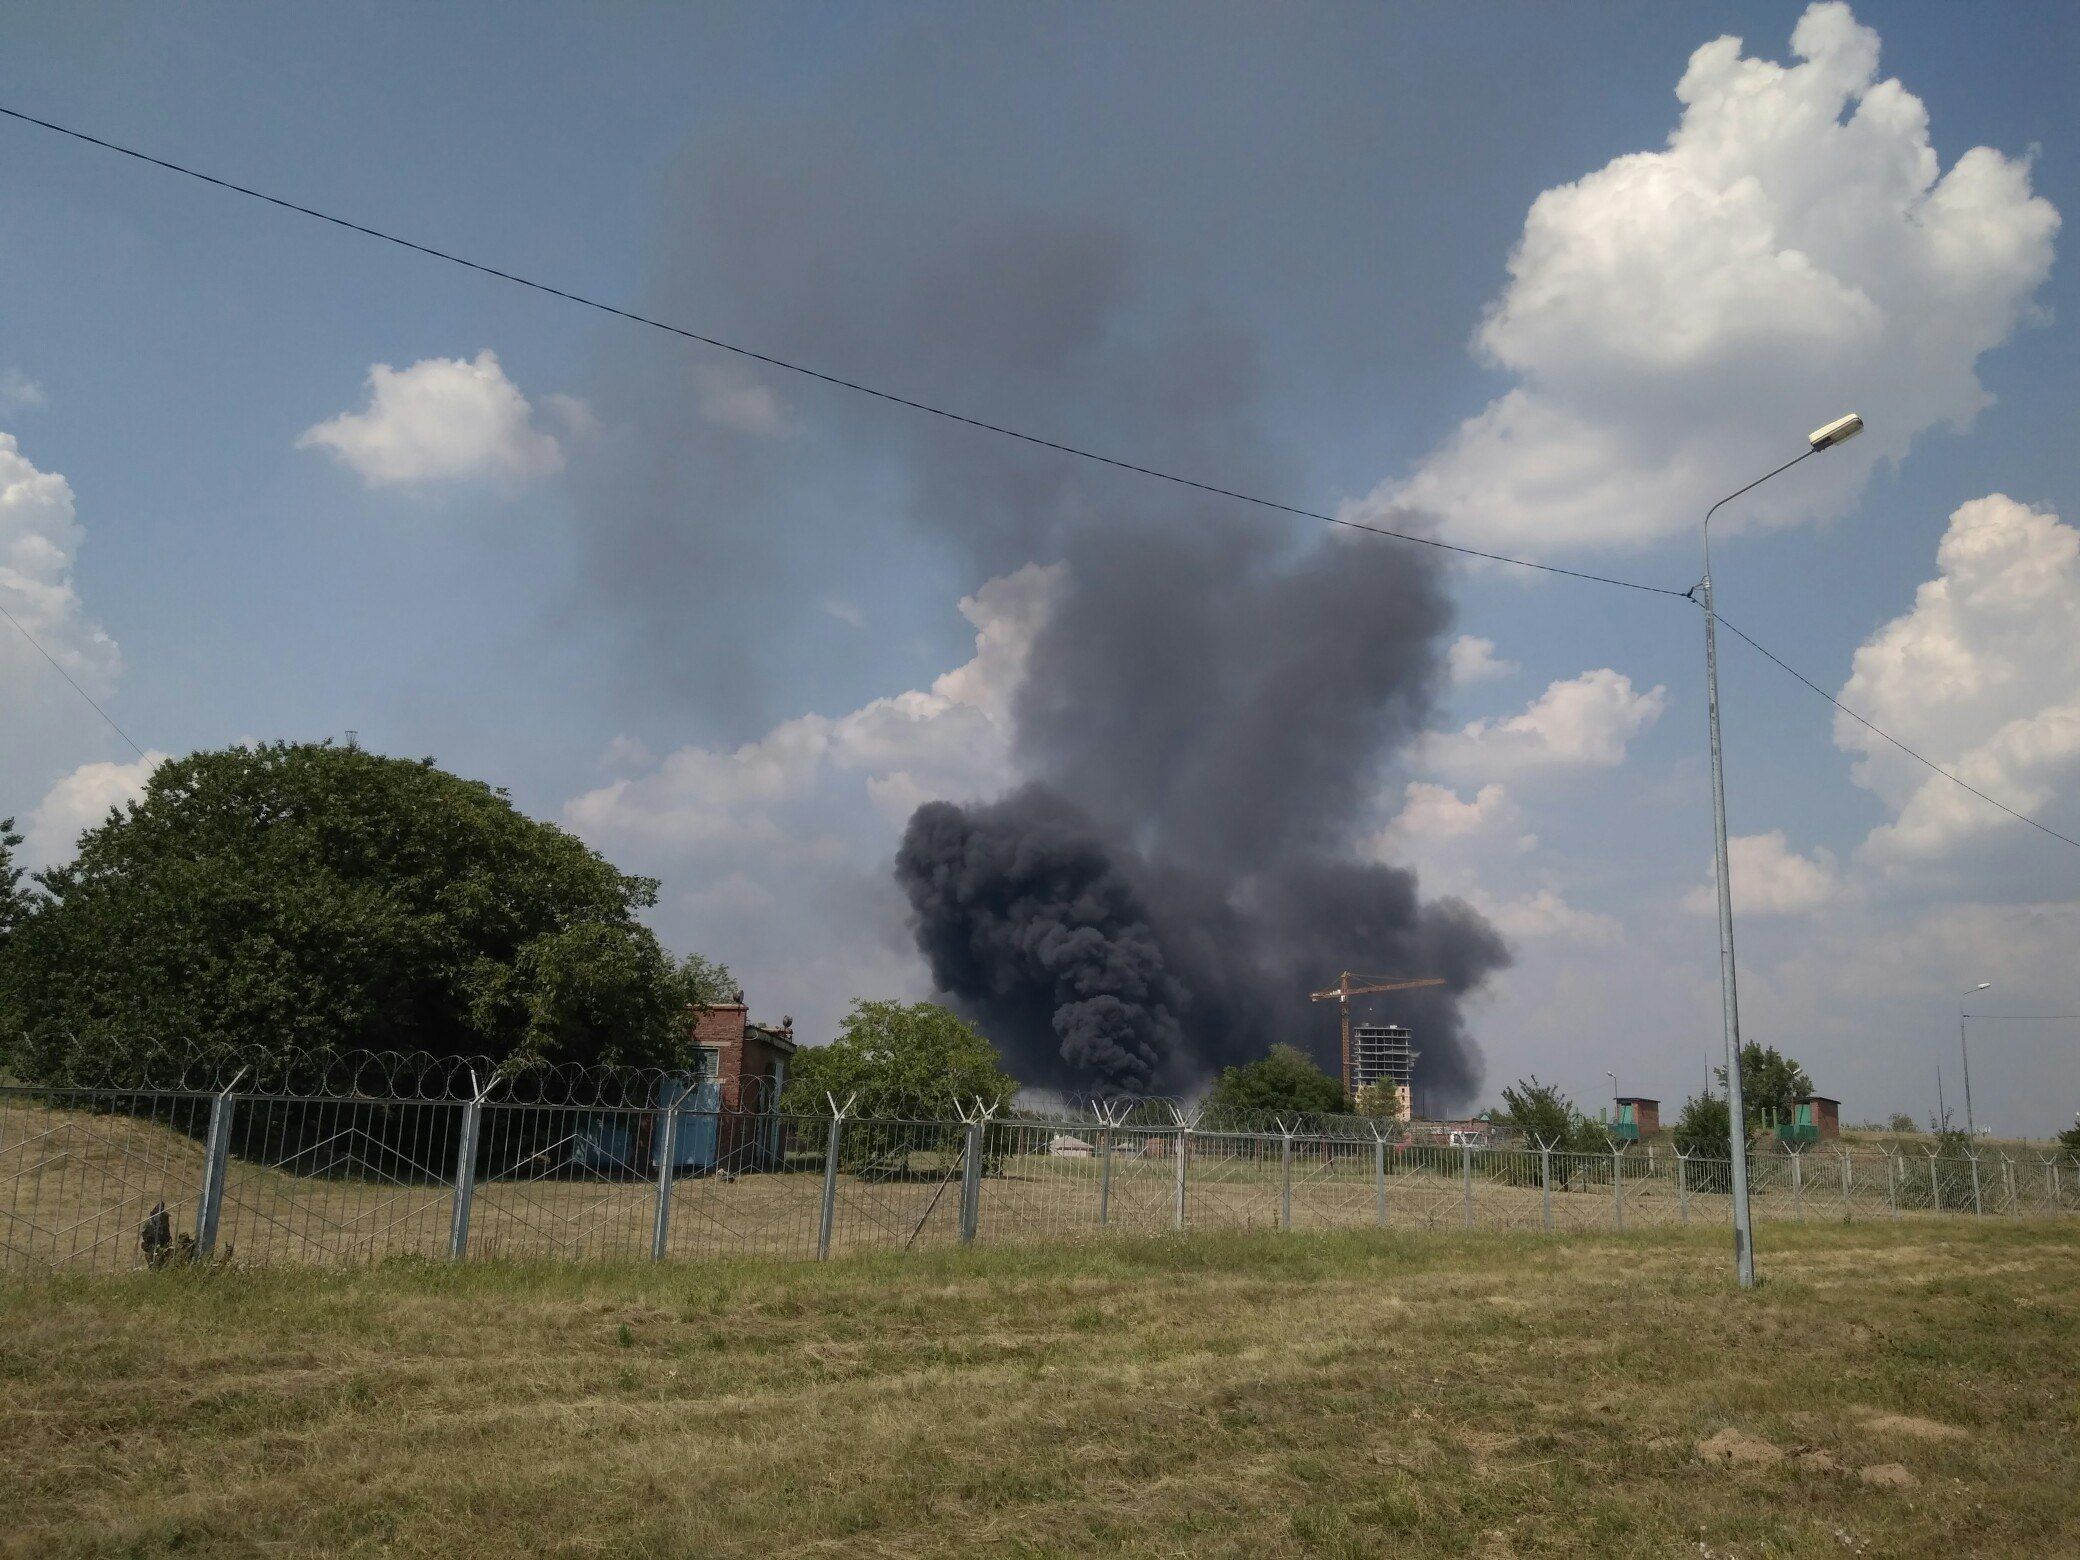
1342	992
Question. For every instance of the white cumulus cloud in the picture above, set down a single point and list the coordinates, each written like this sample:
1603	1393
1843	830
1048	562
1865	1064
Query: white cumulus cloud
40	535
1769	878
79	801
732	398
445	420
1473	660
18	391
1982	676
1677	319
1578	722
951	740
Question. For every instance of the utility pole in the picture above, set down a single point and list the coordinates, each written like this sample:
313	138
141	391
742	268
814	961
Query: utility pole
1822	438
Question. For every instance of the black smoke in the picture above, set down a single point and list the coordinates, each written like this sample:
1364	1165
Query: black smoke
1214	708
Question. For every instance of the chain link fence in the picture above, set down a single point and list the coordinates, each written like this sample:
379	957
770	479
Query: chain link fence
257	1173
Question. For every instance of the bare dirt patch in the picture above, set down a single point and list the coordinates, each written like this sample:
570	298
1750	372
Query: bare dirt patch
1737	1449
1887	1476
1912	1426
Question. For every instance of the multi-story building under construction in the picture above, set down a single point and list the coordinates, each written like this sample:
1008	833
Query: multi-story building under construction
1382	1052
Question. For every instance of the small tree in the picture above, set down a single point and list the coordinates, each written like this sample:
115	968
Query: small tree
1702	1128
2069	1140
1549	1118
1380	1099
1284	1080
1770	1081
913	1061
1900	1121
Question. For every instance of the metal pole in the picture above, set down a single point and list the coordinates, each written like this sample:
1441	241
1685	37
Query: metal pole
1183	1142
1978	1205
1971	1130
1466	1162
1105	1176
829	1215
2008	1176
1379	1179
667	1141
1798	1186
1545	1184
1935	1185
971	1183
1892	1184
1683	1185
216	1158
1617	1189
1285	1180
1736	1106
465	1179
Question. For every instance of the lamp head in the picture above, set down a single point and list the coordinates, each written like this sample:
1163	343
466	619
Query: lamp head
1839	431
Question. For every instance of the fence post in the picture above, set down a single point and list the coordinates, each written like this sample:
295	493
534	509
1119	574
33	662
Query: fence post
2051	1181
667	1155
1466	1164
1183	1144
1935	1183
1892	1184
465	1170
1545	1183
216	1158
1285	1180
1105	1176
828	1215
1798	1186
1683	1184
971	1182
1617	1187
2008	1179
1379	1178
1848	1183
1978	1203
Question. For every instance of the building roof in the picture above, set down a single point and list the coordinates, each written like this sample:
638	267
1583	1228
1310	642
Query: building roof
1638	1099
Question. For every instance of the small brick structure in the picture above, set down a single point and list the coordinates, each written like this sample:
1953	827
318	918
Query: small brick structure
1646	1113
748	1060
747	1063
1827	1115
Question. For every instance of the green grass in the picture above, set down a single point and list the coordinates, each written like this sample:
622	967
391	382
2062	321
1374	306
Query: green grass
1246	1395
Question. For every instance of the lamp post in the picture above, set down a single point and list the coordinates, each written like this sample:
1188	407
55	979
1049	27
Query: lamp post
1970	1131
1823	438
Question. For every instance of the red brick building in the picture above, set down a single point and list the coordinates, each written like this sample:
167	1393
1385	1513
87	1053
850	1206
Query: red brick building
749	1061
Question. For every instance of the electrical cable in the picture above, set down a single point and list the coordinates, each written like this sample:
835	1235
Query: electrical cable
820	375
966	420
1895	741
76	688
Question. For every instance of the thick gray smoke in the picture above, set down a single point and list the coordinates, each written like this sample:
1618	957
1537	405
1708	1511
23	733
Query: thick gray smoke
1219	694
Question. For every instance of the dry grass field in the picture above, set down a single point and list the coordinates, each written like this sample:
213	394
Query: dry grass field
1909	1390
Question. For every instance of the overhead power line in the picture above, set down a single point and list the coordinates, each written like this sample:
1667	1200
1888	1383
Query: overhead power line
977	423
59	667
1895	741
820	375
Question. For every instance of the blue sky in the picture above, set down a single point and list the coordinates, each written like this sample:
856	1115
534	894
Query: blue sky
623	605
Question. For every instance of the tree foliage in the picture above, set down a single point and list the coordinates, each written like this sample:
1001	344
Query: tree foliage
1547	1117
1770	1081
1380	1098
1283	1081
1703	1127
1900	1121
15	901
912	1061
306	896
2069	1140
705	982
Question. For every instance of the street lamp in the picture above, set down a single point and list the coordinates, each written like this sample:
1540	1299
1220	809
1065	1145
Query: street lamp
1822	438
1970	1130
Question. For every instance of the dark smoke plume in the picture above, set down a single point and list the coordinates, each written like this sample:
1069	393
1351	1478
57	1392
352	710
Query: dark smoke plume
1219	695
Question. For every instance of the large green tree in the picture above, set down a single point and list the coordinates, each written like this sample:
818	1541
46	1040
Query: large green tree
15	901
307	896
915	1061
1703	1128
1283	1081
